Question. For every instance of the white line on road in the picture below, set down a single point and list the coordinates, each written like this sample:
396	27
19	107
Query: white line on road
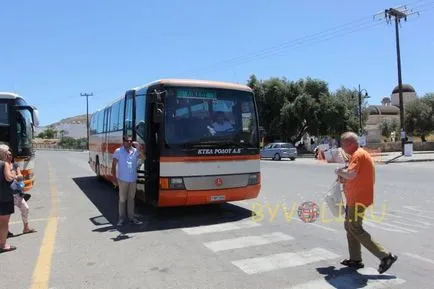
384	228
396	227
318	226
417	215
391	216
411	225
419	258
283	260
248	241
220	228
418	210
368	276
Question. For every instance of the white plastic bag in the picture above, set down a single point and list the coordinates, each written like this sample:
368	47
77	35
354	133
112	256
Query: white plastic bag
334	200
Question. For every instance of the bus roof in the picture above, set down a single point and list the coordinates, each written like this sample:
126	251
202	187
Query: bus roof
9	95
195	82
184	82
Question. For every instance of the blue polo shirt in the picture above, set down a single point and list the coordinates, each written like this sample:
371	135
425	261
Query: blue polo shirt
127	163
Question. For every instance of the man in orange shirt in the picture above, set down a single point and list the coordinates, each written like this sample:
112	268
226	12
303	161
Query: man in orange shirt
358	182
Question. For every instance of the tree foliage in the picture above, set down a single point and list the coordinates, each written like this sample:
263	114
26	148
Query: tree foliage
290	109
49	133
388	126
419	116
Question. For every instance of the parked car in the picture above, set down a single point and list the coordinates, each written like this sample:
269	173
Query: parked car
279	150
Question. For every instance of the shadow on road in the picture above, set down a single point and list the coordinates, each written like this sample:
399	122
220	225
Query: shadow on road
349	278
105	198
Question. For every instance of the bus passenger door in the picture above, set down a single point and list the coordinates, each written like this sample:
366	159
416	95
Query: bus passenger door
152	159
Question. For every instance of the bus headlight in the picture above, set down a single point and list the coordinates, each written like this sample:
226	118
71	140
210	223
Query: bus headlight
254	179
172	184
176	183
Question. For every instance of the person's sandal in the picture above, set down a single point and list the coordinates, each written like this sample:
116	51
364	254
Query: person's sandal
353	264
386	263
29	231
11	248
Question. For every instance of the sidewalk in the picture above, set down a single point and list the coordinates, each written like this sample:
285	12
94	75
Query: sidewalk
397	157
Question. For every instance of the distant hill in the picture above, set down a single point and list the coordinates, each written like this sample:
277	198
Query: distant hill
81	118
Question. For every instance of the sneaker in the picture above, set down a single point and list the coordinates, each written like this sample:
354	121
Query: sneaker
386	263
135	221
121	222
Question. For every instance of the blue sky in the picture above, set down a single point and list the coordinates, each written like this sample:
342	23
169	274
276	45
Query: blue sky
51	51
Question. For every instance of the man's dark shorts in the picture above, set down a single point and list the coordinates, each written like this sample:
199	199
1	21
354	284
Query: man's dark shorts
6	208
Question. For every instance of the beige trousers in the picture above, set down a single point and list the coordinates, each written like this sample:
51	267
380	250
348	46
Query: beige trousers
357	236
127	194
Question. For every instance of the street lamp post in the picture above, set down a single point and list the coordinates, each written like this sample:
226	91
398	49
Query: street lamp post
360	107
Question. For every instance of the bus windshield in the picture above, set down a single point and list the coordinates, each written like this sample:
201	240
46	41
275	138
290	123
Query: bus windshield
24	131
199	116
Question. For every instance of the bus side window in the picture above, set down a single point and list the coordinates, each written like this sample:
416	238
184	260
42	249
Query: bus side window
100	128
121	115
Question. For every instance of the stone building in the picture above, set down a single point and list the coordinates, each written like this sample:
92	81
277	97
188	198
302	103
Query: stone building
388	109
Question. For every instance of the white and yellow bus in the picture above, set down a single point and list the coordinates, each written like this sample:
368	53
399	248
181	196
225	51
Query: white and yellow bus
17	123
200	138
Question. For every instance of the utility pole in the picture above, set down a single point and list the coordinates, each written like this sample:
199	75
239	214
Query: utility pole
399	13
87	115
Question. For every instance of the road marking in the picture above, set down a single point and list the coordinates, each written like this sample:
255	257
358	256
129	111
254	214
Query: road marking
318	226
368	278
220	228
283	260
397	227
418	210
384	228
248	241
419	258
417	215
406	218
411	225
41	273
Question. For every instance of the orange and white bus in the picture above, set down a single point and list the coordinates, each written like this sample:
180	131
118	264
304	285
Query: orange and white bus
200	140
17	124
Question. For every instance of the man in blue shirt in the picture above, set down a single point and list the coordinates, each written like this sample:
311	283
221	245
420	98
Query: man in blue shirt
124	172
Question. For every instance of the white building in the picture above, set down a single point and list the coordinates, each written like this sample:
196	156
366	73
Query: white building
74	129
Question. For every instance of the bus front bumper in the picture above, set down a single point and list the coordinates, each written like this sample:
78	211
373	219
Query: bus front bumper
172	198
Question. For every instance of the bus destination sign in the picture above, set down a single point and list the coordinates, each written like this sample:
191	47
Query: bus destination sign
196	94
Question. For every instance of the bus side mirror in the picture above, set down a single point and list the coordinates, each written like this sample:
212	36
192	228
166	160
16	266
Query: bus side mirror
35	116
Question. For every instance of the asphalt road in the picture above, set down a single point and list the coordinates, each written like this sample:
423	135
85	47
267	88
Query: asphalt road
78	245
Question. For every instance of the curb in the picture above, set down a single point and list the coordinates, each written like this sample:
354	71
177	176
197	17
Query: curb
410	161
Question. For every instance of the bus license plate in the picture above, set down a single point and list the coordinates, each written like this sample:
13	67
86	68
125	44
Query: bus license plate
217	198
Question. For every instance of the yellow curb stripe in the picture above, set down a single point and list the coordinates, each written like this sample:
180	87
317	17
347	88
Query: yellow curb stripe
41	273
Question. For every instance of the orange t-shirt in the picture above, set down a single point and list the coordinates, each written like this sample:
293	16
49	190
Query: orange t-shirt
361	188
